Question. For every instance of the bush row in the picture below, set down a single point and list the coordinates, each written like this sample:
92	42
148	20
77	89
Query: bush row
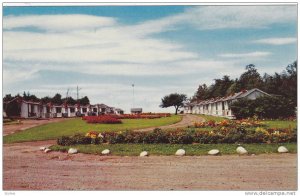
238	135
268	107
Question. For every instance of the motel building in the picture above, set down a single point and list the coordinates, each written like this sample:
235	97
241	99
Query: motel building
220	106
30	109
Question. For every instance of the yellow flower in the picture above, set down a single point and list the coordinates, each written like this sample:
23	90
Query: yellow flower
262	130
100	135
276	133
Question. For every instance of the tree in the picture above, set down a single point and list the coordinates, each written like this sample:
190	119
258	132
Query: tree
8	97
251	78
202	93
173	99
84	101
57	99
11	107
219	89
46	100
29	97
234	88
70	100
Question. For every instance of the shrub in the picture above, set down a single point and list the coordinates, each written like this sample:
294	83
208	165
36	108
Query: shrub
76	139
180	136
230	124
156	136
269	107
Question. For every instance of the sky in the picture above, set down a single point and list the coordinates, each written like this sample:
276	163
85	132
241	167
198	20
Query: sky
160	49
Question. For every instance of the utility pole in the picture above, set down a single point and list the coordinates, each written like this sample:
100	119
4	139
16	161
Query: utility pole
78	89
132	95
67	95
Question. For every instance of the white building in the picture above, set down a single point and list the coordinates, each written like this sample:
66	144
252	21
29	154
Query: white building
30	109
136	110
220	106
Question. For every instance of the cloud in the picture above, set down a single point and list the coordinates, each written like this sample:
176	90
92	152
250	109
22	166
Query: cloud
110	44
99	46
256	54
220	17
114	50
57	23
277	40
224	17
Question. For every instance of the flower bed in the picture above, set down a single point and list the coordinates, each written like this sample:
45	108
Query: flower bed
105	119
158	114
229	123
143	116
112	117
181	136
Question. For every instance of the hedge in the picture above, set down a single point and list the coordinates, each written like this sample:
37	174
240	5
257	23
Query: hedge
269	107
180	136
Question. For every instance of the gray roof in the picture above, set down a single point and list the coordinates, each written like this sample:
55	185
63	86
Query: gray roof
245	94
101	105
136	109
238	95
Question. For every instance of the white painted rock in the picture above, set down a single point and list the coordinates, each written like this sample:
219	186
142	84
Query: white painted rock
72	151
42	148
282	149
47	150
180	152
144	154
105	152
214	152
241	150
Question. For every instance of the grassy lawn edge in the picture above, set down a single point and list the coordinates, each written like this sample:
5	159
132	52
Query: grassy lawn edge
69	127
170	149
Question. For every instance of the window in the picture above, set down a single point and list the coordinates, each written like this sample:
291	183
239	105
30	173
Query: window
84	110
223	105
58	110
94	109
72	110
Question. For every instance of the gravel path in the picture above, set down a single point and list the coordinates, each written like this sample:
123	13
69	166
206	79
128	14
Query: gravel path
27	168
187	119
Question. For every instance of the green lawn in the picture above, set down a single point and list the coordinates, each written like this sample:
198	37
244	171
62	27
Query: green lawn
72	126
281	123
208	117
170	149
